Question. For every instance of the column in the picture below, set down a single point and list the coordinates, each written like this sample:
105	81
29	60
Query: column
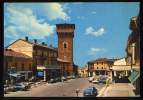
89	74
44	75
126	73
115	73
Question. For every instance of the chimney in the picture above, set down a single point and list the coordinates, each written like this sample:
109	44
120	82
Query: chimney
26	38
50	45
35	41
43	43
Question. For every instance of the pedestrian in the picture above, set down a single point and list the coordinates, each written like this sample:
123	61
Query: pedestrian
6	82
77	91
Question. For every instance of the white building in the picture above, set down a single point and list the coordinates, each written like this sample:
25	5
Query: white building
120	70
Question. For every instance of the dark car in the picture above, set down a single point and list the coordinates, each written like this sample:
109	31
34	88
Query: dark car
21	86
102	80
90	91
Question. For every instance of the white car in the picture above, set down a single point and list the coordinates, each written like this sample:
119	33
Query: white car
95	81
91	79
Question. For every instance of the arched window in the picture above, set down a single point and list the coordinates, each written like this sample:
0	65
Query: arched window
65	45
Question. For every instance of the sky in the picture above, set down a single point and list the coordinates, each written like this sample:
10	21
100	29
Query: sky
101	29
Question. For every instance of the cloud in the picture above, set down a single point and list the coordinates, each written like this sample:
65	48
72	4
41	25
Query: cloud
91	31
93	51
93	12
55	11
23	22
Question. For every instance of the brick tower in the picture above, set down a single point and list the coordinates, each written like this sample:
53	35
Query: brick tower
65	34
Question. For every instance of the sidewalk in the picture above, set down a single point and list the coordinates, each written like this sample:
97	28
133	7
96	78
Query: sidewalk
117	90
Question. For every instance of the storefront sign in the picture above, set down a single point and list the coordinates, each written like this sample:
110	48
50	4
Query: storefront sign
40	74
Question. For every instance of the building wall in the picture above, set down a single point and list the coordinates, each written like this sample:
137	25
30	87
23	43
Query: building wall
99	67
65	53
17	63
65	34
23	47
44	56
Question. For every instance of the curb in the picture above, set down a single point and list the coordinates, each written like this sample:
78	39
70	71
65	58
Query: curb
101	92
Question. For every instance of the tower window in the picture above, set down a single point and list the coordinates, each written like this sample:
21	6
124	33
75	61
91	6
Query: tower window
65	45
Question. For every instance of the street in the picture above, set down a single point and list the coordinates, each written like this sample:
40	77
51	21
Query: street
59	89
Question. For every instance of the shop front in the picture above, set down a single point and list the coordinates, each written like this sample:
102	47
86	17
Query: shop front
47	73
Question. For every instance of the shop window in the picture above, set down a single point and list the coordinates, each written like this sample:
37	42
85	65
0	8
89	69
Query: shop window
22	67
30	67
15	66
102	63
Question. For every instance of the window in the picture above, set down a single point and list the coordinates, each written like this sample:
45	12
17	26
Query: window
22	67
102	63
97	63
102	67
15	66
29	66
65	45
97	67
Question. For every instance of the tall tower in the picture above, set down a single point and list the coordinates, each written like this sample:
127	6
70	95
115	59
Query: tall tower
65	34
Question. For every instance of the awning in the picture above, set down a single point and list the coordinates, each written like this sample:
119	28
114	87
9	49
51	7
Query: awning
121	67
134	76
41	68
15	75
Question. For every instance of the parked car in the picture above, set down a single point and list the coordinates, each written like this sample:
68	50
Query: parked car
103	80
90	91
5	89
63	78
28	84
96	81
91	79
11	89
21	86
51	80
73	77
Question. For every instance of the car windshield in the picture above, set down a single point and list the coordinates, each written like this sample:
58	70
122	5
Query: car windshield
89	90
18	84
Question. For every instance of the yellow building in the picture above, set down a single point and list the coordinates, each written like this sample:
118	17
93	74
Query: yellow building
83	71
100	66
18	62
44	58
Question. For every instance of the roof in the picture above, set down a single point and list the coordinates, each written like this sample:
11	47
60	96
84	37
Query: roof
35	44
65	24
11	53
102	59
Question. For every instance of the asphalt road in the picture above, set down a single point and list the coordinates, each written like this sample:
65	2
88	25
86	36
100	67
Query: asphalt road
59	89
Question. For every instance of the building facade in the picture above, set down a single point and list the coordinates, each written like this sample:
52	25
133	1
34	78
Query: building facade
15	62
83	71
133	53
44	58
65	33
120	71
100	66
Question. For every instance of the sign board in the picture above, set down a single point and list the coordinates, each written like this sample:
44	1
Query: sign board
40	73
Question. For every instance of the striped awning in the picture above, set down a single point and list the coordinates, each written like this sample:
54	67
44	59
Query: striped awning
121	67
134	76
